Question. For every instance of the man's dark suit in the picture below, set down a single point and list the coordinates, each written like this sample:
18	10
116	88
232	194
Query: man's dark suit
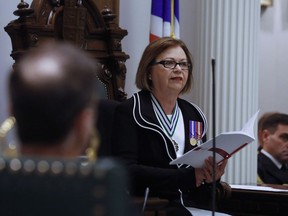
269	173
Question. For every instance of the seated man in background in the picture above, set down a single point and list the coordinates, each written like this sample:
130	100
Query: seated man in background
273	157
53	97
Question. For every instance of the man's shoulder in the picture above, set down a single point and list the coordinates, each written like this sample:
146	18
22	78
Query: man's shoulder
264	162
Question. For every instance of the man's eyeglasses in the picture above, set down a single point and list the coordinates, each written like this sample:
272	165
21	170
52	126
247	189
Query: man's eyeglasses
172	64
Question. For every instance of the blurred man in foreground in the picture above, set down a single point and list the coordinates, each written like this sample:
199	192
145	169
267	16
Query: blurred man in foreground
53	95
53	98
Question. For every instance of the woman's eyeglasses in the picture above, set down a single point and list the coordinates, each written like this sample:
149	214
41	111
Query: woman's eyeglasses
172	64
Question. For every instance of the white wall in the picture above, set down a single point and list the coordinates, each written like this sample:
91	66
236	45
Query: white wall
134	17
273	68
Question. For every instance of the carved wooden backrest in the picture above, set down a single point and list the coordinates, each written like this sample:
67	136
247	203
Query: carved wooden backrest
79	22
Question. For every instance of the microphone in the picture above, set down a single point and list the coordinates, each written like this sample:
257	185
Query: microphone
214	135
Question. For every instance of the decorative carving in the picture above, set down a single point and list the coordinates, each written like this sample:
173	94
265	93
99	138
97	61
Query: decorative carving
121	77
74	20
81	23
33	39
106	72
23	10
108	15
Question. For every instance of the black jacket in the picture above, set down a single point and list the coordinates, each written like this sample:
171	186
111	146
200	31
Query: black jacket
140	142
269	173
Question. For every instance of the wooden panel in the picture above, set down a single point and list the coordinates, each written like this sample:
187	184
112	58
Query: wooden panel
252	202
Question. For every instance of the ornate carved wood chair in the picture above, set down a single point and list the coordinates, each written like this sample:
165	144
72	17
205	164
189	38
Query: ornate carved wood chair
81	23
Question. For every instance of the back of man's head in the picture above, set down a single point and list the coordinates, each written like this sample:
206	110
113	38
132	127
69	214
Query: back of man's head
48	88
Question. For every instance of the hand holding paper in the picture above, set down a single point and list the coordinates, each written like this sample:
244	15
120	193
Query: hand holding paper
227	144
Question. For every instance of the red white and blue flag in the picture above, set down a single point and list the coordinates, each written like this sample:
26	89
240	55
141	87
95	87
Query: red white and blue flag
164	19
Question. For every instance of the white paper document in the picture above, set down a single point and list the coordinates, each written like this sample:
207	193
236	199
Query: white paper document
202	212
226	144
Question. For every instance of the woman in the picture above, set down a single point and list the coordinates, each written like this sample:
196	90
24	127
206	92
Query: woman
152	127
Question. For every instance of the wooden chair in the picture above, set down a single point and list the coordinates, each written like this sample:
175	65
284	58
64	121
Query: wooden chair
81	23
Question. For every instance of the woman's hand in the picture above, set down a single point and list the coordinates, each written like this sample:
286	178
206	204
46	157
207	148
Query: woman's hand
199	175
208	170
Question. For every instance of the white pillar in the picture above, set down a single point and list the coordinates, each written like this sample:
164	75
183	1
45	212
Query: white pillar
227	30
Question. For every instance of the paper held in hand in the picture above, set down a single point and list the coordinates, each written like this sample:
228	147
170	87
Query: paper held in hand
226	144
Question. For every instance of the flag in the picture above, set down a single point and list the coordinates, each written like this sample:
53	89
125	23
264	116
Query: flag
164	19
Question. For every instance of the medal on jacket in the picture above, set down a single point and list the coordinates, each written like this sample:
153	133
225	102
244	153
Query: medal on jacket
195	132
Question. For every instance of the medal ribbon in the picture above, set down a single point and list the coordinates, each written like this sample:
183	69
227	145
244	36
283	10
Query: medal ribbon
196	129
169	125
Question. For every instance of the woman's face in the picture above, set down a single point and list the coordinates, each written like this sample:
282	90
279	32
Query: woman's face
167	81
